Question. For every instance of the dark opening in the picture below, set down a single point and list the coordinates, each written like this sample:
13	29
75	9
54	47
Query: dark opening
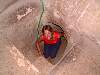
63	45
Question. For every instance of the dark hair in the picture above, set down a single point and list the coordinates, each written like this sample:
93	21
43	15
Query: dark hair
47	27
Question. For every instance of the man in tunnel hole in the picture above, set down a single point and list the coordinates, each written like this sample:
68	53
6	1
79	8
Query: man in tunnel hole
52	42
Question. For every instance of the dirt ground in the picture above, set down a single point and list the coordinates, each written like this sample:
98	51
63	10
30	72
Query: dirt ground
18	31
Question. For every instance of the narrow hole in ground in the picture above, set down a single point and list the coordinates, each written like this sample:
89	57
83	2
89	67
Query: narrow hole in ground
64	42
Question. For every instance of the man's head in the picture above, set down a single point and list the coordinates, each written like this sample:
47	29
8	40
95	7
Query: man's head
47	30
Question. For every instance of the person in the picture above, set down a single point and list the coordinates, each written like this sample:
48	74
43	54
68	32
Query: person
52	42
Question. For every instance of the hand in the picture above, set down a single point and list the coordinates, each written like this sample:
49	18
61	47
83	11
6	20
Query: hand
39	53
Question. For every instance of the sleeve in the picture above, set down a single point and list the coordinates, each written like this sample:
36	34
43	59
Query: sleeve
57	35
41	37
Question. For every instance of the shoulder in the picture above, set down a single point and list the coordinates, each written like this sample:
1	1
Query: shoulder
41	37
56	34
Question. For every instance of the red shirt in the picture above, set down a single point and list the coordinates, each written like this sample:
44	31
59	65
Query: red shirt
55	39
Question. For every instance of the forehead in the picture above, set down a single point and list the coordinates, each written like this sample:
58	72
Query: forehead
46	31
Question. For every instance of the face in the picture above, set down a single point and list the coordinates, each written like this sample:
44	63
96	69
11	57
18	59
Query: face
47	34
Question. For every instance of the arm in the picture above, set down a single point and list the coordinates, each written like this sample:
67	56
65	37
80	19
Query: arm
37	43
62	34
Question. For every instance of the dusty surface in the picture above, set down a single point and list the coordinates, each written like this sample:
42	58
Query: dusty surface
83	60
18	24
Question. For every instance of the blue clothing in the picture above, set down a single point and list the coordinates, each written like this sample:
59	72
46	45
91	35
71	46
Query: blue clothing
50	50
